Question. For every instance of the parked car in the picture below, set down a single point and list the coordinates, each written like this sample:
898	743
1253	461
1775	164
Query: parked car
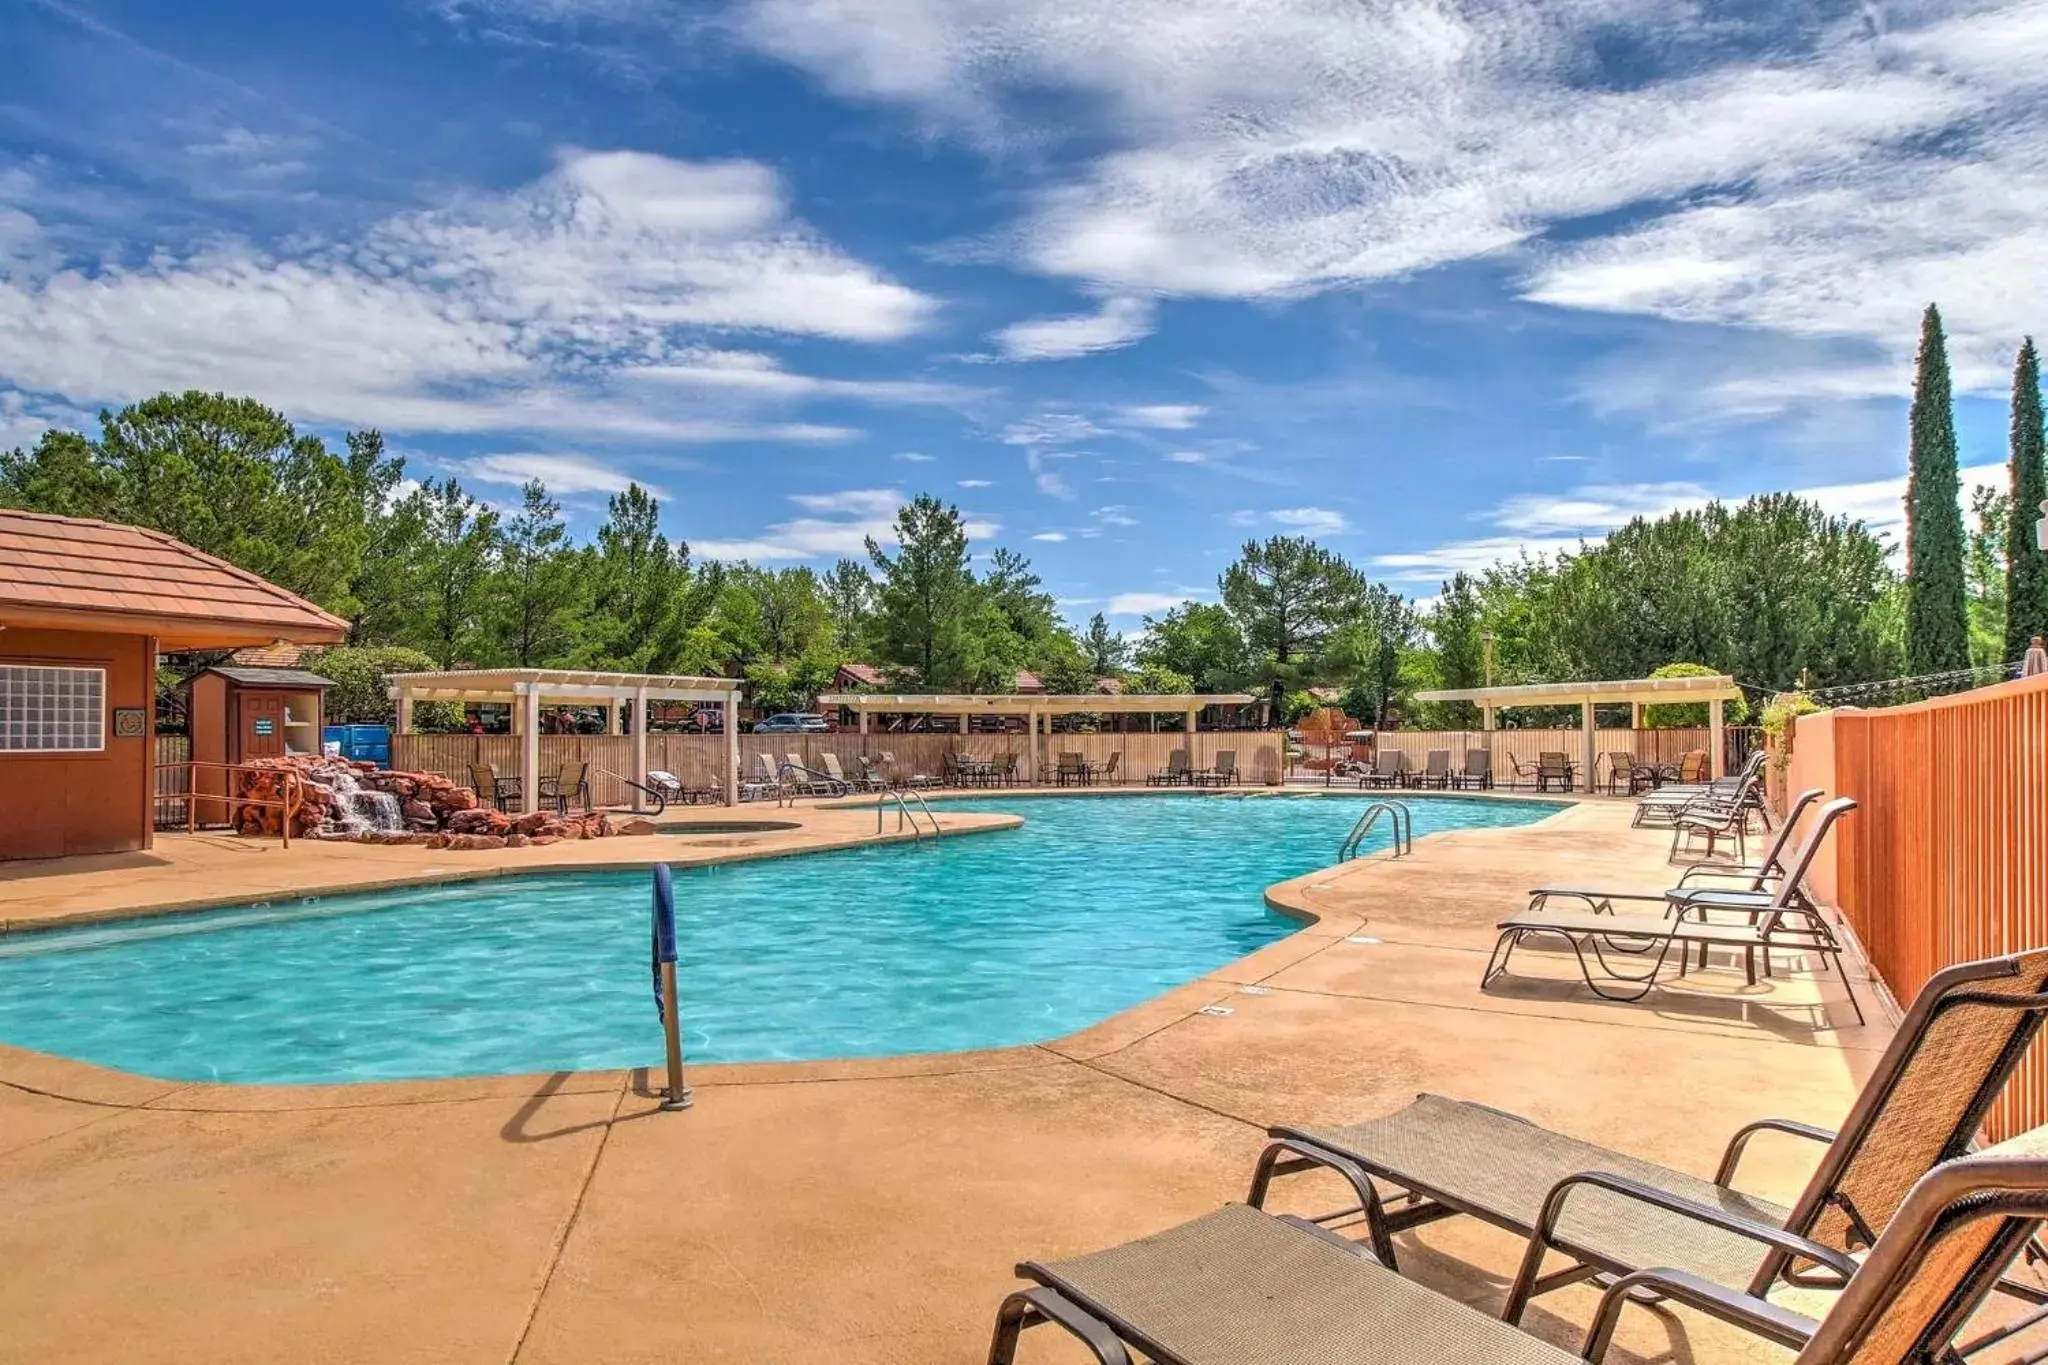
793	723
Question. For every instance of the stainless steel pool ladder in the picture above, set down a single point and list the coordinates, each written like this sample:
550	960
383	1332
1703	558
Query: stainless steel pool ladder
1399	818
904	815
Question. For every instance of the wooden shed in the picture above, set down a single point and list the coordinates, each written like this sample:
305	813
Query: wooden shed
85	607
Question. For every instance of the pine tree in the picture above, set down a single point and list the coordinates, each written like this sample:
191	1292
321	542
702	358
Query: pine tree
1937	621
2026	564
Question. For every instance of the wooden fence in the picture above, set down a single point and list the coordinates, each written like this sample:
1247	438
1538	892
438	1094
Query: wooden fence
1946	857
699	759
1521	746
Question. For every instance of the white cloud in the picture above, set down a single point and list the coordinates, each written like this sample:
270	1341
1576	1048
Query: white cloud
861	514
1160	416
1051	537
1595	506
1047	429
974	483
494	313
564	475
1319	521
913	457
1189	457
1118	323
1115	516
1820	170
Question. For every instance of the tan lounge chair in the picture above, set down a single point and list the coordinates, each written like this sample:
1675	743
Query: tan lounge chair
1436	770
1175	773
1926	1098
1240	1287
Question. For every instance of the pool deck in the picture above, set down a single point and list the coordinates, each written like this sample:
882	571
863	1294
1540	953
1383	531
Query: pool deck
858	1213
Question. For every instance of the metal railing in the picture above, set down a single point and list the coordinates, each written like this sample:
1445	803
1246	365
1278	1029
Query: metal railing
1399	819
904	815
291	797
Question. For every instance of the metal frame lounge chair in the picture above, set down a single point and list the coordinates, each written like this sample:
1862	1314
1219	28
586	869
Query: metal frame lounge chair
830	762
1787	919
914	780
1553	766
1436	770
501	792
1478	771
1389	769
1966	1031
1176	771
1716	816
1107	772
554	788
1070	770
1241	1287
1224	774
1659	808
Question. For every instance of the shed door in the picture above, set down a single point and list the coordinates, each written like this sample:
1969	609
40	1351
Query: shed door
262	725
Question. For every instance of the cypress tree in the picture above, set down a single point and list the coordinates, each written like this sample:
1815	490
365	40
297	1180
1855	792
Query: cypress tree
2026	565
1937	621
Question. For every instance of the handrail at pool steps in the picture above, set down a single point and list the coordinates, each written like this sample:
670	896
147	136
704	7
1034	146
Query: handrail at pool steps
903	812
291	793
662	958
1399	818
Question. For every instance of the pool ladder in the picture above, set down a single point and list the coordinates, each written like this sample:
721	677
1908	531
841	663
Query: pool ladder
1399	818
904	815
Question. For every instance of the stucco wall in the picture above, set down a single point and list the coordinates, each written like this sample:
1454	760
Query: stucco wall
57	804
1813	765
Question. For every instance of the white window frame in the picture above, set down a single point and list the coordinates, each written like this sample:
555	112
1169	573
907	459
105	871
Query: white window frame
98	688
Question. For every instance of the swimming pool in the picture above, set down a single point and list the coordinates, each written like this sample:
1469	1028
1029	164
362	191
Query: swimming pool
985	940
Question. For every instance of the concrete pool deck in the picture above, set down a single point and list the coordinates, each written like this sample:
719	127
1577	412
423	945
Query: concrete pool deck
859	1212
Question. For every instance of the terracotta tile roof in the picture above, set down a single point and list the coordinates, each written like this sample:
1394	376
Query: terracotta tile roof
1029	682
858	675
70	573
276	654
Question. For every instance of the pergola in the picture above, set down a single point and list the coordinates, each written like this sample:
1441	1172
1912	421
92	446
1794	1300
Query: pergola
528	689
1634	692
1030	706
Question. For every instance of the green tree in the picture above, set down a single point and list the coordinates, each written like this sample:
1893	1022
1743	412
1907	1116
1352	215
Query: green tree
1289	596
1937	625
461	541
1106	650
2026	564
1198	641
394	545
1159	680
850	596
1457	654
361	694
1367	650
644	600
1684	715
62	475
926	598
1984	574
538	585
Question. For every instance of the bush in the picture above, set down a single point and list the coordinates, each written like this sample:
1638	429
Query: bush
361	692
1679	716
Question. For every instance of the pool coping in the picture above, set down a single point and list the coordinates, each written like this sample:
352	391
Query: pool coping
60	1077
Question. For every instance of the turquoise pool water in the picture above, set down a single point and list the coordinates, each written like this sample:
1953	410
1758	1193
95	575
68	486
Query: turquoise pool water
981	941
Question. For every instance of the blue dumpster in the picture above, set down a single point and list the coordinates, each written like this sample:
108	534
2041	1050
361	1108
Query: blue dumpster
364	743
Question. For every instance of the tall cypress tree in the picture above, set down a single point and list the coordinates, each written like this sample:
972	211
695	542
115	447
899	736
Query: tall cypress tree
2026	564
1937	621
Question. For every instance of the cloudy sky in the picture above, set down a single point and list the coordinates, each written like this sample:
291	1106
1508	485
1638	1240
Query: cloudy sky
1427	279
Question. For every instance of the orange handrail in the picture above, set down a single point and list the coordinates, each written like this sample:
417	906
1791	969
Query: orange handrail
288	804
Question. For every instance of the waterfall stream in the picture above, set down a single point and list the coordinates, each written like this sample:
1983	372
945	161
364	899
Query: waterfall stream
359	809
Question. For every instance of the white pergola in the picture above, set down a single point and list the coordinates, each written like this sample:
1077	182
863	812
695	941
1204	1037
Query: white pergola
1031	706
526	690
1634	692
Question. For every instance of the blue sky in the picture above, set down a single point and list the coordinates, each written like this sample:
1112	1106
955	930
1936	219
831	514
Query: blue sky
1130	283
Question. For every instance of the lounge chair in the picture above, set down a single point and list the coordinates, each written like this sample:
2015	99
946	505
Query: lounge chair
1929	1093
1175	773
1107	772
1787	919
914	780
1553	769
1478	771
1658	809
1241	1287
554	787
1224	774
1069	771
1718	816
501	792
834	773
1436	770
1389	769
871	774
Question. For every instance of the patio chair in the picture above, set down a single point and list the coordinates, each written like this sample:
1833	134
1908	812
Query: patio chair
1070	771
1436	771
1787	919
665	787
871	774
830	762
1621	772
1657	809
1241	1287
1553	769
1717	817
1929	1093
1175	774
807	781
1477	773
914	780
554	788
1107	772
1520	772
1389	769
501	792
1224	774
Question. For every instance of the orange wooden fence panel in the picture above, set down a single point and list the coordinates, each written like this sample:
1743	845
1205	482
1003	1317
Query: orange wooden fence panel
1946	858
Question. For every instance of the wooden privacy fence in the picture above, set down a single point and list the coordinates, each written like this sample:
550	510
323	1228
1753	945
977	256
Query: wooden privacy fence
699	759
1946	857
1649	746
